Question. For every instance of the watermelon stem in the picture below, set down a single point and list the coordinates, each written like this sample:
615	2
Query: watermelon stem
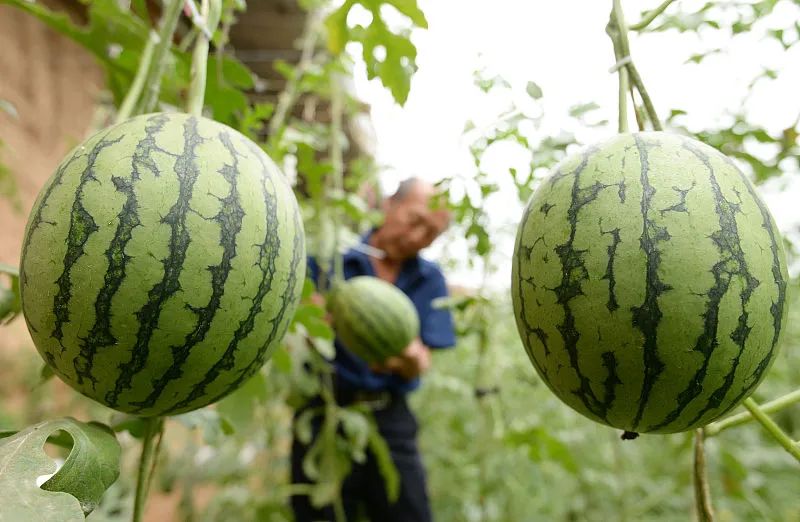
741	418
167	25
774	430
210	12
614	29
132	96
702	491
153	427
618	32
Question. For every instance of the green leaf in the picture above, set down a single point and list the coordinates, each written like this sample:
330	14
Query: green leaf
75	489
411	10
336	25
213	425
45	374
383	456
311	317
113	27
282	360
578	111
10	300
389	56
543	446
224	93
308	288
133	424
238	408
533	90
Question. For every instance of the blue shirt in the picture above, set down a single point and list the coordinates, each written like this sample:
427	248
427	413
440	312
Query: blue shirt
422	281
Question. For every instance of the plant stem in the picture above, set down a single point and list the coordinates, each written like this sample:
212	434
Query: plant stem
617	25
741	418
702	493
209	11
636	111
618	33
777	433
648	103
623	100
338	172
132	96
169	20
288	96
152	428
197	85
651	15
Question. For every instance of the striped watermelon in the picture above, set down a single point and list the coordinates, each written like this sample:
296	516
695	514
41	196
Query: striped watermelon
649	283
372	318
162	263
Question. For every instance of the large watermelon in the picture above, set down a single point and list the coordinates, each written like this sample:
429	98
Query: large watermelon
372	318
649	283
162	263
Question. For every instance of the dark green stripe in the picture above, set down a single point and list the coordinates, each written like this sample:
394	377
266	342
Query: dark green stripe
525	252
100	335
612	303
186	170
680	206
611	382
36	220
391	324
647	316
776	308
574	273
81	226
731	264
288	301
229	218
269	250
360	342
377	339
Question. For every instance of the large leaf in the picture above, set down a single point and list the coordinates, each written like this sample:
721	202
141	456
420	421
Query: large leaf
388	55
116	37
224	88
75	490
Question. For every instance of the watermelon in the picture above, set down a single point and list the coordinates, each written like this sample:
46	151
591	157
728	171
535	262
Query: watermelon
372	318
649	283
161	264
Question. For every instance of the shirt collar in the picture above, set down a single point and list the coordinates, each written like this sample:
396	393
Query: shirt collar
411	269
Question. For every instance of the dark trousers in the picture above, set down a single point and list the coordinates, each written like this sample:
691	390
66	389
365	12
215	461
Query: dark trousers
364	486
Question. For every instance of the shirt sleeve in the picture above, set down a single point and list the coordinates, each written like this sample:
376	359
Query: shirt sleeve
436	325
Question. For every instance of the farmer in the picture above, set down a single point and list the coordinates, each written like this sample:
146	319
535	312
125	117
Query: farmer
410	224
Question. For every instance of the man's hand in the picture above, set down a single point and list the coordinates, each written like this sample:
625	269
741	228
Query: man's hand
415	360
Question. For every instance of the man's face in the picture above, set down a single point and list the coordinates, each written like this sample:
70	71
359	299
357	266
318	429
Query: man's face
411	224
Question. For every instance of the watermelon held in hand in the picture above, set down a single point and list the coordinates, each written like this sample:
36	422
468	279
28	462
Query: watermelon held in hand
372	318
649	283
162	264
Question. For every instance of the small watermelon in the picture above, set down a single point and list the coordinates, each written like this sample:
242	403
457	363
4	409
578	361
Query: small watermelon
372	318
649	283
162	264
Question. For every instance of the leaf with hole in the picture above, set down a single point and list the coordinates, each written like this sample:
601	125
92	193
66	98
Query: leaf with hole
74	490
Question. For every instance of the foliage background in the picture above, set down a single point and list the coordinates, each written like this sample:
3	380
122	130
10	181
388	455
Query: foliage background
497	444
